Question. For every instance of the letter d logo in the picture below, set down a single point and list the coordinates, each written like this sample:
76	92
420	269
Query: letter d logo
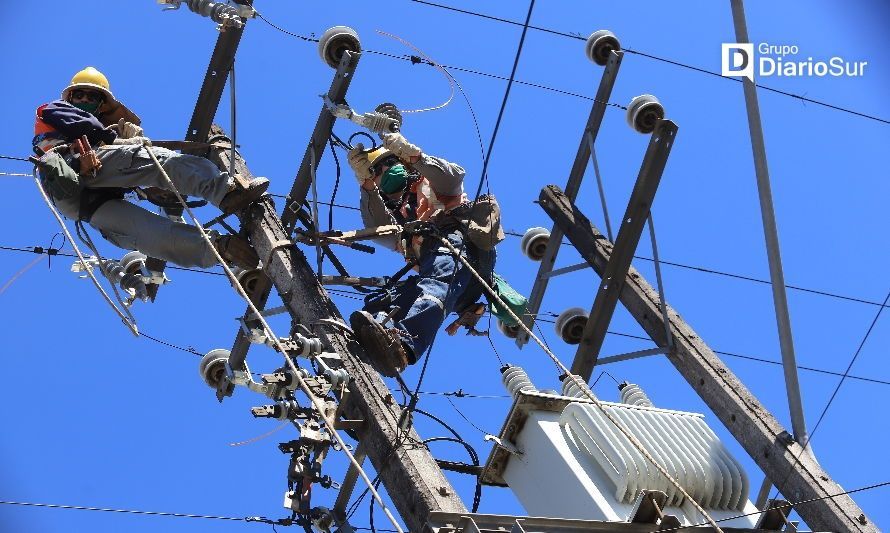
737	59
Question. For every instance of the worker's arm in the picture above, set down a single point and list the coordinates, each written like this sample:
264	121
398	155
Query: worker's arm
445	178
74	123
374	213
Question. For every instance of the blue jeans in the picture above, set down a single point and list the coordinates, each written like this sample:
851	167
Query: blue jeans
426	299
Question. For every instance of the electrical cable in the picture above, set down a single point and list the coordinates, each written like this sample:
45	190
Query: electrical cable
316	403
474	456
357	296
431	62
804	446
13	158
512	233
130	325
657	58
790	505
336	186
125	511
415	60
459	412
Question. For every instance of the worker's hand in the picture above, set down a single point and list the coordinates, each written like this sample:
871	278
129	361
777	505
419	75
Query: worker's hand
128	130
358	160
399	145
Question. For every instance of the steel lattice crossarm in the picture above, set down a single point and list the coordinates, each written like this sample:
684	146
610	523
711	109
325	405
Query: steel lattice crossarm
796	473
409	472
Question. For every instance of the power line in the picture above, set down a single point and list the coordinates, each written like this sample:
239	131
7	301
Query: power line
418	60
126	511
805	444
356	296
657	58
13	158
748	357
737	276
788	505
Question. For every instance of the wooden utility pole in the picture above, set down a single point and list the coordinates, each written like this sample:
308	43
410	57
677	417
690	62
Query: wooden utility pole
796	474
413	480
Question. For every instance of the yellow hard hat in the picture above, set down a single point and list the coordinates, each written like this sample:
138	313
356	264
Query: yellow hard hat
90	78
377	154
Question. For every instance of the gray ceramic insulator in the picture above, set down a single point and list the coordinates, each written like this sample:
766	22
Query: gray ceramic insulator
516	381
632	394
576	388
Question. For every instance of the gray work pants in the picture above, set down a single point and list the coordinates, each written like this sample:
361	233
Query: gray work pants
133	228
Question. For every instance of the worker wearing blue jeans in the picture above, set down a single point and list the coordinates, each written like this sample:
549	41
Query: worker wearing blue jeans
402	185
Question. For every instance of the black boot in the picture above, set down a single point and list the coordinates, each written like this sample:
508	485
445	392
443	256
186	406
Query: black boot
239	198
382	346
237	251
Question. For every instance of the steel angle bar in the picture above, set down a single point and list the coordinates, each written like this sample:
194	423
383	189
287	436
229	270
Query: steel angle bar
318	141
601	100
205	108
771	236
629	234
566	270
291	212
631	355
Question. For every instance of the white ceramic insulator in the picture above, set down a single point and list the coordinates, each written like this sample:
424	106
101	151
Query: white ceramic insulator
632	394
516	381
576	388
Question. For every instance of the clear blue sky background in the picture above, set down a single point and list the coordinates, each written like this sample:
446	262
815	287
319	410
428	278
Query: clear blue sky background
93	416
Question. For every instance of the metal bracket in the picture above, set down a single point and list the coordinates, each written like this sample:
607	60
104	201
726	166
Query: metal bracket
506	445
775	516
374	121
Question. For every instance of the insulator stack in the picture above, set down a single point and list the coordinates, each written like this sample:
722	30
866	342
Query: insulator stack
130	282
218	12
516	380
576	388
632	394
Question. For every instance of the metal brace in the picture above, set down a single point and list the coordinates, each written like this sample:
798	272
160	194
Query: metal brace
506	445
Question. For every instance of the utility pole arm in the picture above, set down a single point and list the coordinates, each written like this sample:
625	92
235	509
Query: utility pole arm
796	473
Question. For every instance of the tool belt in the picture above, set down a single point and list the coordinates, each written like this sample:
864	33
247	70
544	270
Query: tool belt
479	221
61	174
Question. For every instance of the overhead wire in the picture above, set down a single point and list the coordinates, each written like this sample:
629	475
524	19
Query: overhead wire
657	58
124	511
805	446
357	296
788	505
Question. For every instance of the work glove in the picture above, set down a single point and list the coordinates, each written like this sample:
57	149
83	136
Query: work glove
399	145
358	160
128	130
133	140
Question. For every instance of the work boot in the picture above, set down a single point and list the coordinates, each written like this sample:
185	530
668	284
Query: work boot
237	251
382	345
241	197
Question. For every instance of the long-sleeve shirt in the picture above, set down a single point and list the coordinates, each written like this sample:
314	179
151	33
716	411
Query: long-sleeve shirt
59	121
445	179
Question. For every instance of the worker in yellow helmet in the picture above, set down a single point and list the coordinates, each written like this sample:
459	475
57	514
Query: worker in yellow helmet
401	184
88	108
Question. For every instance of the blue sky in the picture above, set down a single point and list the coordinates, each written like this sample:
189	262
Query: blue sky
96	417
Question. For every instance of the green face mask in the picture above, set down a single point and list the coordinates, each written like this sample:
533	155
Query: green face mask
89	107
394	179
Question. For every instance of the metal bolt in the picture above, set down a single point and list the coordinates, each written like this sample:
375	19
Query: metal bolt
862	520
443	491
